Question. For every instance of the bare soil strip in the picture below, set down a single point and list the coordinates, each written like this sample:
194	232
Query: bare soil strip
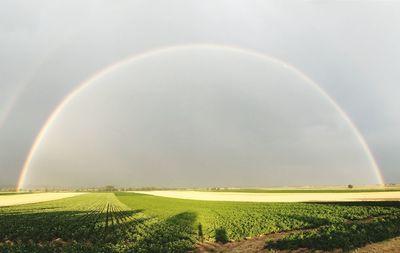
20	199
253	245
392	246
278	197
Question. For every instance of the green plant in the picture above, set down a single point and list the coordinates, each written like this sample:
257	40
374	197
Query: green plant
221	236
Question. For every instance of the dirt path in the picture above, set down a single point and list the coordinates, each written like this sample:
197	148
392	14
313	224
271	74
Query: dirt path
389	246
257	245
250	245
19	199
278	197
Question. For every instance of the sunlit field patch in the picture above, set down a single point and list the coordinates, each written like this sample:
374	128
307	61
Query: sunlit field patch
10	199
311	196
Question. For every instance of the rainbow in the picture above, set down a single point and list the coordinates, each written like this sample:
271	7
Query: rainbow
98	75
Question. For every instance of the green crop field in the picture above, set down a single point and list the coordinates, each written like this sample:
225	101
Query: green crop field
129	222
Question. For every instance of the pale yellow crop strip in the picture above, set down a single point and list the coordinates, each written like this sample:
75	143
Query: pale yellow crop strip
277	197
20	199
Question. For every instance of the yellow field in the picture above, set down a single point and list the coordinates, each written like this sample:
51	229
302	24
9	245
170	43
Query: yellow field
277	197
19	199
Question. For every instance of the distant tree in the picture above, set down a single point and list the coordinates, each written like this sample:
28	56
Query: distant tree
109	188
350	186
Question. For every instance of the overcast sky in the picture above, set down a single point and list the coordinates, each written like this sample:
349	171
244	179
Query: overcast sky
351	49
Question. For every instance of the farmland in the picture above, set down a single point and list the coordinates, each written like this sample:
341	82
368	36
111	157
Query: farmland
12	193
25	198
131	222
301	196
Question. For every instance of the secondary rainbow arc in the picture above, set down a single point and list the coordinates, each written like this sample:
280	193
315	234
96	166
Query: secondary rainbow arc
48	123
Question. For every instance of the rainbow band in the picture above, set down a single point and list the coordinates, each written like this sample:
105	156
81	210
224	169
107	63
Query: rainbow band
110	68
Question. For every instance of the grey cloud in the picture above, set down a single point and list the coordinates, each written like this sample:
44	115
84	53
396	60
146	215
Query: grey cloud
351	49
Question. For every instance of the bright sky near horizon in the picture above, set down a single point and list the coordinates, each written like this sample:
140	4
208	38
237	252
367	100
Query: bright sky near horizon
351	49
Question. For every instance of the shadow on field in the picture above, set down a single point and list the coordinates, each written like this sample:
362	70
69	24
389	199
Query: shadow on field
346	236
94	231
175	234
66	225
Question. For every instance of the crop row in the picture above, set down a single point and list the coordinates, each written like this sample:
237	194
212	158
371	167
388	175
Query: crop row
89	223
224	221
345	236
128	222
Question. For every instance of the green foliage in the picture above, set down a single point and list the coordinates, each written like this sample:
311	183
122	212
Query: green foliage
129	222
200	233
220	235
91	223
243	219
108	188
344	236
